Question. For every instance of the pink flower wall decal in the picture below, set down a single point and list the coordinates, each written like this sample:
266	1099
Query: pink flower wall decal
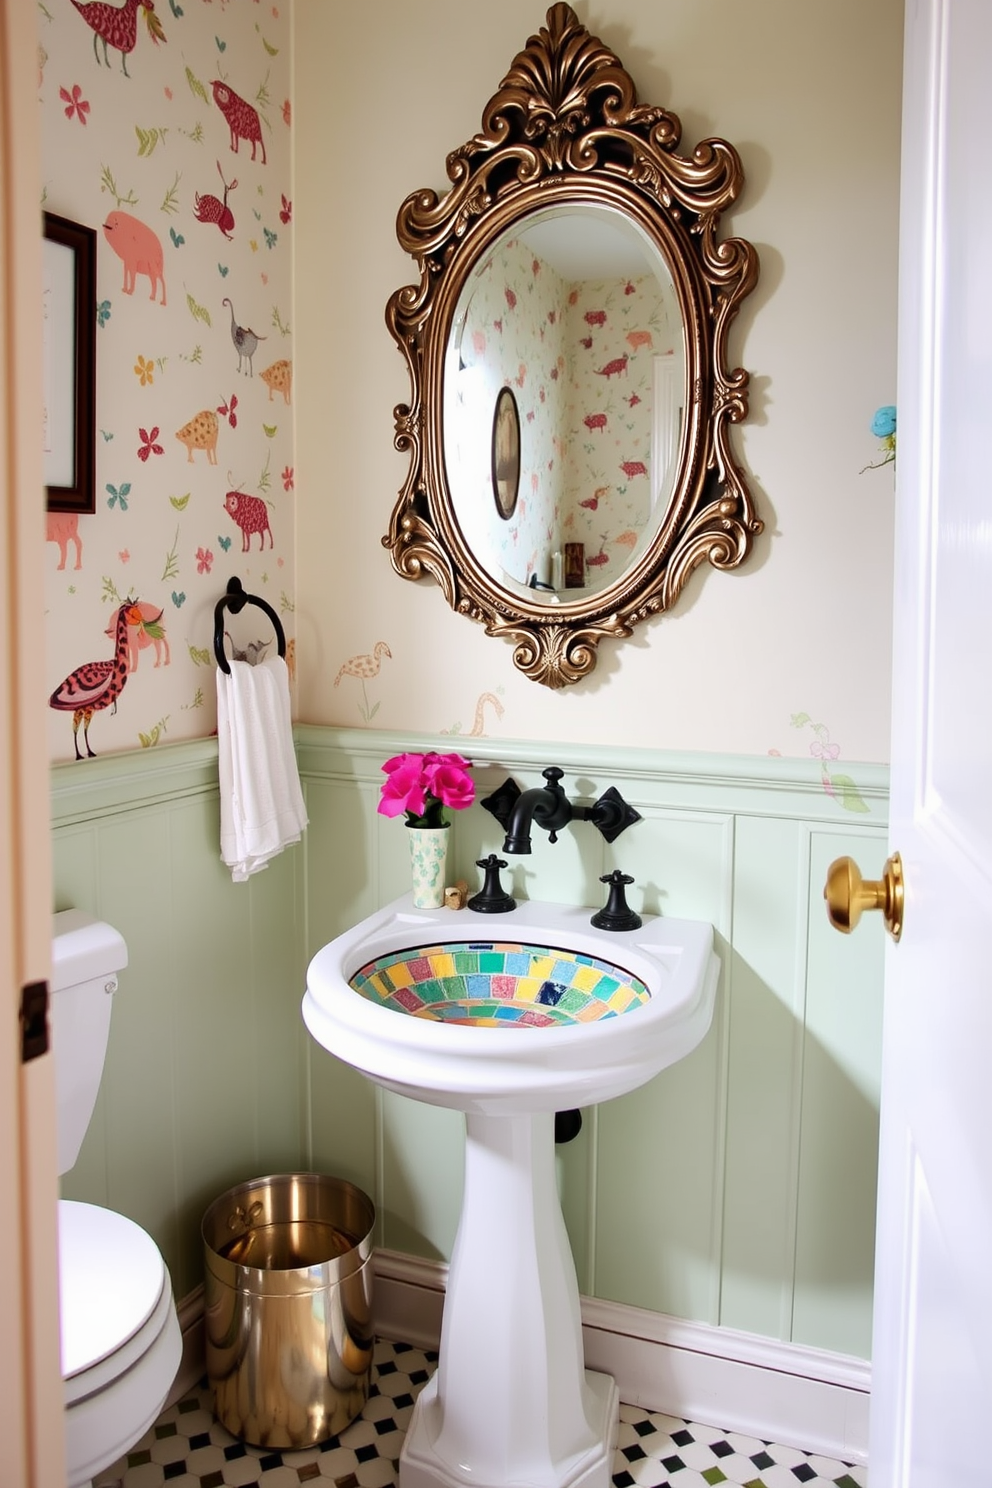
76	105
148	445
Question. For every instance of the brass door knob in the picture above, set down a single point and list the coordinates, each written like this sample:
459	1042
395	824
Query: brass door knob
848	895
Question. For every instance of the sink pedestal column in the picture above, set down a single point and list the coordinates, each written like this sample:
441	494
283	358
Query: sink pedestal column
511	1402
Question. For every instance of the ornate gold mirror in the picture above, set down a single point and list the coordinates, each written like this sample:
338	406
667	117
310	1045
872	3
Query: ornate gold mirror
571	322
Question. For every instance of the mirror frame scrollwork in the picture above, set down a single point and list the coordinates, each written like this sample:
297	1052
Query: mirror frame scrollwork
565	129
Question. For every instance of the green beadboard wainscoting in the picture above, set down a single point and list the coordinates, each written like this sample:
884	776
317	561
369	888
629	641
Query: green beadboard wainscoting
737	1188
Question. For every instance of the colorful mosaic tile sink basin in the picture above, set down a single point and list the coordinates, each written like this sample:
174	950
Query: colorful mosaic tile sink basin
500	984
431	1003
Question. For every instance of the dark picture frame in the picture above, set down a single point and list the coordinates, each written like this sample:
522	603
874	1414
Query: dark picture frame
506	453
69	360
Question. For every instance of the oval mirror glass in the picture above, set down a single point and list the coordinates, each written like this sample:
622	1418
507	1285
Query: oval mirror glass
572	319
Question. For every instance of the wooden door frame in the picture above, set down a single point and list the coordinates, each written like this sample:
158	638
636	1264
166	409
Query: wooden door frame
31	1406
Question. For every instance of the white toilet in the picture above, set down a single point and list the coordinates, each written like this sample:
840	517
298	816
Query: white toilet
121	1344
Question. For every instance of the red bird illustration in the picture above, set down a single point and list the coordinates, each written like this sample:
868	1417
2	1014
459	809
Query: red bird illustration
97	684
117	25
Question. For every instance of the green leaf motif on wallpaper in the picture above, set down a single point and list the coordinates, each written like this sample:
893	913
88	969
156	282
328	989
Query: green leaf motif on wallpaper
199	656
197	700
286	604
107	183
198	312
148	741
265	479
850	797
263	100
171	569
148	139
270	430
110	592
278	322
196	86
180	502
170	201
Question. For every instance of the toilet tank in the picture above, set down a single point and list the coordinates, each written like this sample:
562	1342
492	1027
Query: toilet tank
86	956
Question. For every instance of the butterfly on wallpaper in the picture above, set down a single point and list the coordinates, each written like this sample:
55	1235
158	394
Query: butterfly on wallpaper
178	599
223	270
177	238
271	238
103	312
225	542
119	495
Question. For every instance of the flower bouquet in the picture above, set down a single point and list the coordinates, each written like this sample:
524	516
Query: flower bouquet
421	786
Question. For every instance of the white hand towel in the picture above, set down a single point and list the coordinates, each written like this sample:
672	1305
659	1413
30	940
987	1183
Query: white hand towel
261	803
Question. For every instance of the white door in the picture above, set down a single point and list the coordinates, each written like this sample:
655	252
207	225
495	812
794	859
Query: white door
932	1351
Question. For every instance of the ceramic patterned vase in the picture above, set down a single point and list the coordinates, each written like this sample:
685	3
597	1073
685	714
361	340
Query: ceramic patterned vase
428	851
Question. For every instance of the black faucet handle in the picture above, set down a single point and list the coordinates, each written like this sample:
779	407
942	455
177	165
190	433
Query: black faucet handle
617	914
492	898
502	801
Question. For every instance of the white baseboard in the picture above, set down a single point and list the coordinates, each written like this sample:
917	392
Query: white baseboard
779	1392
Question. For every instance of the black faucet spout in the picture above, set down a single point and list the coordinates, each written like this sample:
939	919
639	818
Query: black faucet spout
547	805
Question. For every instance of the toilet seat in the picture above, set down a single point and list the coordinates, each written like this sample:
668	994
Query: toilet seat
111	1277
121	1344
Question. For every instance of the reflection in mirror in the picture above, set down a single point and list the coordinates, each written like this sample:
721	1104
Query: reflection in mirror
576	311
506	453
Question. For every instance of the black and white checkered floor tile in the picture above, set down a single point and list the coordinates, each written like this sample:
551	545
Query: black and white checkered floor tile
187	1448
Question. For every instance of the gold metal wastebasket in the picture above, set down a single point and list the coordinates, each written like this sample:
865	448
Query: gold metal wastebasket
288	1297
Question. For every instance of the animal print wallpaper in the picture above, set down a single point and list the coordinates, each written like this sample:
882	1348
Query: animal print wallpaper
167	129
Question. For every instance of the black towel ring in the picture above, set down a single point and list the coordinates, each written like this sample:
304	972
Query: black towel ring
235	600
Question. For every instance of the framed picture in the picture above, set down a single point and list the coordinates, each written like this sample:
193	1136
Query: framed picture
506	452
68	279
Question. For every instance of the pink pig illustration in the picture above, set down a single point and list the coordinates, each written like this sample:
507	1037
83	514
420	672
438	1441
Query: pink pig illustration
138	247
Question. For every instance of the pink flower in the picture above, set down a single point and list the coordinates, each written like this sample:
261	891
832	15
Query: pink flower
288	480
448	778
824	751
75	103
403	790
204	560
149	447
419	785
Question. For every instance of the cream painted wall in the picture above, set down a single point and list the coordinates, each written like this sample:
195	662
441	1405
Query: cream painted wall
810	96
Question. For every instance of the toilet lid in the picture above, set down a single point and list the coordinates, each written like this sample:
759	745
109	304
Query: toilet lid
111	1276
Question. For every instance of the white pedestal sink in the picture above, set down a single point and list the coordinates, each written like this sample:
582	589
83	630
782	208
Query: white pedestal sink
510	1018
